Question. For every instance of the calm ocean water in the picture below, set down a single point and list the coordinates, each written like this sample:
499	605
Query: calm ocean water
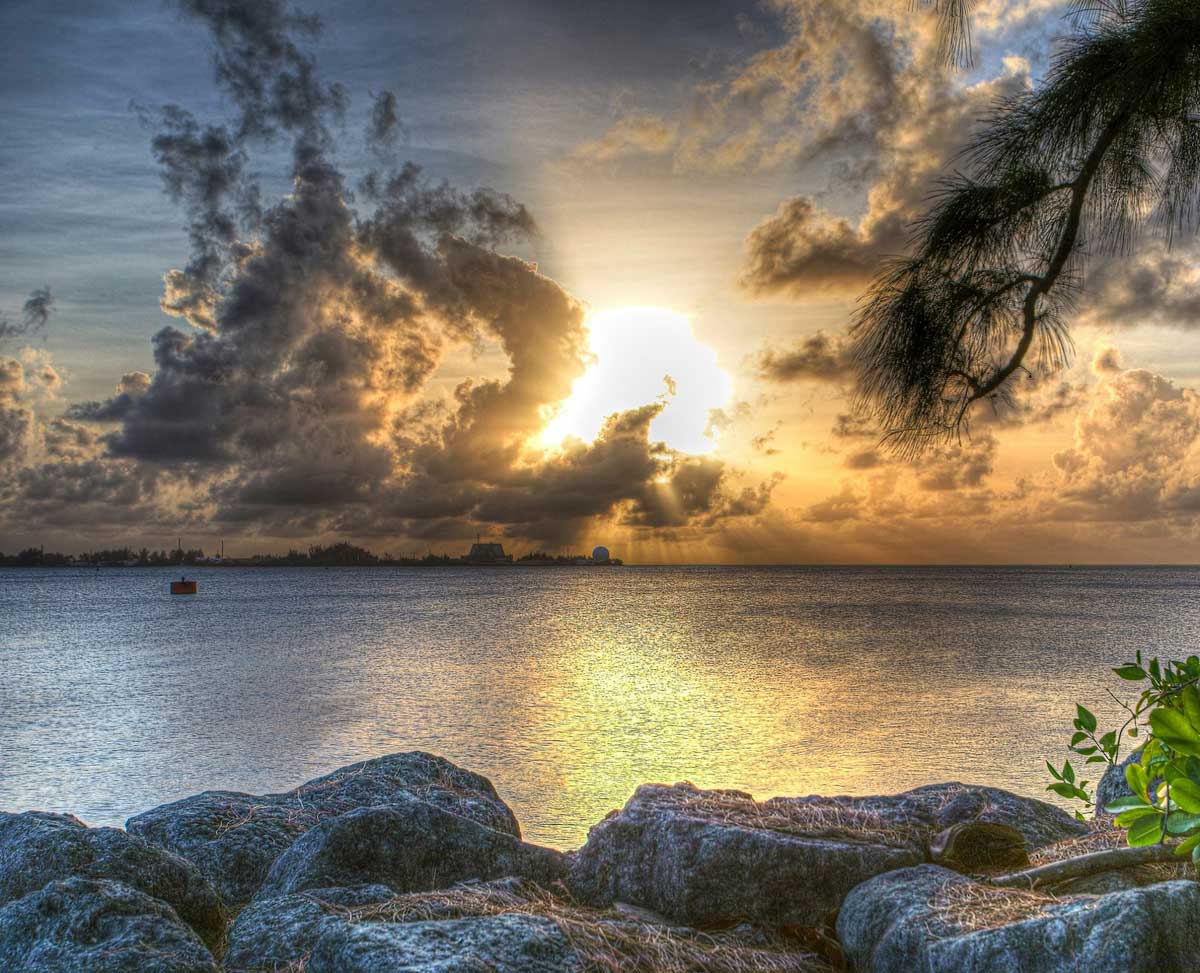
567	687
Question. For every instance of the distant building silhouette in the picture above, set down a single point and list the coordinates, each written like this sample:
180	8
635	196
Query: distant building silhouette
487	553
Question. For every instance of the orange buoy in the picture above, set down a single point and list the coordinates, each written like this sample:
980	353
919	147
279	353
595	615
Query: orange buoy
183	587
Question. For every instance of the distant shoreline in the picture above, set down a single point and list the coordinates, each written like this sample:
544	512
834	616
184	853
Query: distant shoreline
229	563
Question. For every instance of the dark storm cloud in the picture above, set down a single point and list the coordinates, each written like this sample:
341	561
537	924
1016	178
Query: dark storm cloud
820	357
905	119
204	169
297	403
803	249
383	125
36	311
259	63
115	409
35	314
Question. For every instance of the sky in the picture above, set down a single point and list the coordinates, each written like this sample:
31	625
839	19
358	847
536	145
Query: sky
559	274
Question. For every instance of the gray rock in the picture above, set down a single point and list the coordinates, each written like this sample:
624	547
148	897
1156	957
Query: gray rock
880	924
94	926
710	856
485	944
315	931
704	857
271	933
37	848
234	838
901	923
1113	786
941	806
409	846
484	927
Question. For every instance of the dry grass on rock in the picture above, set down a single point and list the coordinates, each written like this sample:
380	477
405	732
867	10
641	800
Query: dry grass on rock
816	819
972	907
606	941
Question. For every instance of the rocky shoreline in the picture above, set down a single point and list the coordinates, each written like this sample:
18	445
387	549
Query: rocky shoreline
410	863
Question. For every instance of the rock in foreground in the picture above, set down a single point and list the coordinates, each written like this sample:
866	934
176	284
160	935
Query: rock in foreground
715	856
234	838
499	927
91	926
409	846
38	847
937	807
272	933
703	857
933	920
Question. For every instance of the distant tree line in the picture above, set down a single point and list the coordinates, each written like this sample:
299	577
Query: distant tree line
340	554
37	557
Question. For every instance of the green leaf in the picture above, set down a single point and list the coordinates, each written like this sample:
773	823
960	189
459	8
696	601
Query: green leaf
1192	768
1135	777
1053	773
1179	823
1146	831
1126	818
1132	673
1188	844
1186	793
1078	738
1175	730
1124	804
1068	772
1191	706
1063	789
1086	718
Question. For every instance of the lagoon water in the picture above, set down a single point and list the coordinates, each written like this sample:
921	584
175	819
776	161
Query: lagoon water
567	687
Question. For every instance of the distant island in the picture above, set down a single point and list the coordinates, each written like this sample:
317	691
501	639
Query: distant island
481	554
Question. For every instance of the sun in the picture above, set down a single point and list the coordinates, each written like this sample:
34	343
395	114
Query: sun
642	355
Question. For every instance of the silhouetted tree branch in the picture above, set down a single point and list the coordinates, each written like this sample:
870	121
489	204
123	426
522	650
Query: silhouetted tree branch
1108	143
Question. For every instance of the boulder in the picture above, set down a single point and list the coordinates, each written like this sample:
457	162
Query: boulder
274	932
409	846
712	856
499	927
496	944
703	857
37	848
234	838
85	925
1113	786
932	920
316	931
940	806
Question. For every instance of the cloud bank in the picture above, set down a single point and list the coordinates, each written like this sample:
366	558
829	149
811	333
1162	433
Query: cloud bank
298	396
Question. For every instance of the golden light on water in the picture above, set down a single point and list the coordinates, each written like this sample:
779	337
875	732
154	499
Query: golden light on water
642	355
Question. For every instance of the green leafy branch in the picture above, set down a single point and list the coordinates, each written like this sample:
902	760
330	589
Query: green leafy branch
1165	780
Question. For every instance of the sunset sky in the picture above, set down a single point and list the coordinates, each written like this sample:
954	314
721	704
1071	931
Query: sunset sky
609	307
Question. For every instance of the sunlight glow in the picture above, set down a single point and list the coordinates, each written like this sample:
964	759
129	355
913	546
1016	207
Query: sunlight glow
643	355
